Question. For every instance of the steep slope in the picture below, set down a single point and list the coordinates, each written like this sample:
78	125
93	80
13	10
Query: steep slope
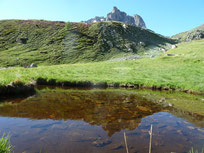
194	34
46	42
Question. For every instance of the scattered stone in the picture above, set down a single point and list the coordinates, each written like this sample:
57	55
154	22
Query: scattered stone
170	54
2	68
142	43
170	105
130	50
131	85
173	46
33	65
43	52
123	85
22	40
133	57
164	50
152	56
124	26
26	65
162	100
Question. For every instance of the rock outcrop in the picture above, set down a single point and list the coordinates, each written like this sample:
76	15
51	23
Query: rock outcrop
194	34
96	19
117	15
139	21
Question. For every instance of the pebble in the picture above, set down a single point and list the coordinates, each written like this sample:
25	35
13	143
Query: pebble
133	57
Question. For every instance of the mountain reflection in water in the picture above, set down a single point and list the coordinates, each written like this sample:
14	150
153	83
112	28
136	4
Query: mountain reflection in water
113	110
86	121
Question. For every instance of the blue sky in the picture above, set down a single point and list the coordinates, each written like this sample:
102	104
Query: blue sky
167	17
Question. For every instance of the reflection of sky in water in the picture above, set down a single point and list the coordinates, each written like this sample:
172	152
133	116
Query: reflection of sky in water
94	122
170	133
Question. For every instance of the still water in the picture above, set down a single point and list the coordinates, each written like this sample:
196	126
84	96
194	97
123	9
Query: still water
94	121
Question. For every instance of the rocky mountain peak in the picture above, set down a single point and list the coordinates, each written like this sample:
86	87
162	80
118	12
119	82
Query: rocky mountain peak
139	21
117	15
115	9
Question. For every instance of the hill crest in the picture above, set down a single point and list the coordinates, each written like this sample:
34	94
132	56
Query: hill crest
48	42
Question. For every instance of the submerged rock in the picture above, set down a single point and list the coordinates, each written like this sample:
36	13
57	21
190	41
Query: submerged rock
101	143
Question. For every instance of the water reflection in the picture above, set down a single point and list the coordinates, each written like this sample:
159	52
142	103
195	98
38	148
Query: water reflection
94	121
112	110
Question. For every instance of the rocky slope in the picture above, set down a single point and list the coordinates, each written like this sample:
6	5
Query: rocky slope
117	15
45	42
194	34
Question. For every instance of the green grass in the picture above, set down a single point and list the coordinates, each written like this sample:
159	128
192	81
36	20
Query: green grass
182	101
5	145
195	151
184	71
51	42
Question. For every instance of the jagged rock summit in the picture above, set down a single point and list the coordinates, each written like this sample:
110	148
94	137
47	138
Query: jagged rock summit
117	15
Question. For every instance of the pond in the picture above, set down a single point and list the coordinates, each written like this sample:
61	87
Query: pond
94	121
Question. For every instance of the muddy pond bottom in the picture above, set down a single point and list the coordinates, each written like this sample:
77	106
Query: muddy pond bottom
94	121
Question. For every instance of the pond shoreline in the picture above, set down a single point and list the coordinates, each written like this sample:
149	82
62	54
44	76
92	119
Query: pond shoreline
16	90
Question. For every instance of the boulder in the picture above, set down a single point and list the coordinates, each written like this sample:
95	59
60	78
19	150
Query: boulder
33	65
141	43
173	46
22	40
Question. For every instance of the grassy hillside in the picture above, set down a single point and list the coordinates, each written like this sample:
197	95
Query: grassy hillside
47	42
183	71
194	34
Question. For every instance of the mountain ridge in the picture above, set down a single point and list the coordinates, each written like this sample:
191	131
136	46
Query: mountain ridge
193	34
49	42
117	15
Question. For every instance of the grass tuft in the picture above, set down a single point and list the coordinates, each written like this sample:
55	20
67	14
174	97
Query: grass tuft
195	151
5	145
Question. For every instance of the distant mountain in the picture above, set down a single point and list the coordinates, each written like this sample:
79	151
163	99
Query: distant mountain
48	42
117	15
194	34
